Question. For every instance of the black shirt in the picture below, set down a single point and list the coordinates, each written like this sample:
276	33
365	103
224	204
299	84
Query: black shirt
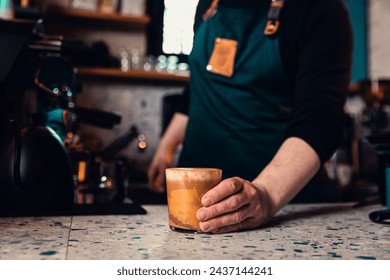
316	49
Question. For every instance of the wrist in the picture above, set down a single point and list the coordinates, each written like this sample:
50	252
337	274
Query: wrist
273	202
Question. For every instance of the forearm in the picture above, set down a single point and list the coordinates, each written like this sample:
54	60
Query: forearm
290	170
174	134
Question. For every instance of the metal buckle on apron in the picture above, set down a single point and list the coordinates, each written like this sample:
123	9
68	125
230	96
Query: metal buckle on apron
273	17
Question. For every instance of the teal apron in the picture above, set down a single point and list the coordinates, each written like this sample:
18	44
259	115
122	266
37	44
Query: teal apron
236	123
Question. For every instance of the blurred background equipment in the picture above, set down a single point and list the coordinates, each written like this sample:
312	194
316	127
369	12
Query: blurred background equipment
35	171
360	162
39	119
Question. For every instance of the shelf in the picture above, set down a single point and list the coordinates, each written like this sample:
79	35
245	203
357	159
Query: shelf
75	16
114	73
140	75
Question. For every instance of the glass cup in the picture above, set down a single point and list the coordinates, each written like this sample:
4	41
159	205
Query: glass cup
185	188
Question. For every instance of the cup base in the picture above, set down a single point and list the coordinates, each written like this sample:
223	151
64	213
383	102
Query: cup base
184	230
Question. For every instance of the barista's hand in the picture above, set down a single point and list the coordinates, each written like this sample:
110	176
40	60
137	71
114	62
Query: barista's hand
163	158
233	205
156	172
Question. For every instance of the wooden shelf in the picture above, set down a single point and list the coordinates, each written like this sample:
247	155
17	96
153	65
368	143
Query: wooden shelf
75	16
140	75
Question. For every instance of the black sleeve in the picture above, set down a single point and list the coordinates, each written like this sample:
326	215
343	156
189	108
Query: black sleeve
318	60
184	101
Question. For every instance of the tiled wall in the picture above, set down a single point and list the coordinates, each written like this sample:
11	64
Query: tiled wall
138	104
378	38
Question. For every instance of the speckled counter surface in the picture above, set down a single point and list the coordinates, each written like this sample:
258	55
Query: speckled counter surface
337	231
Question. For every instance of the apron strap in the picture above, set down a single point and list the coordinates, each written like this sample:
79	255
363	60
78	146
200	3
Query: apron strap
211	10
273	17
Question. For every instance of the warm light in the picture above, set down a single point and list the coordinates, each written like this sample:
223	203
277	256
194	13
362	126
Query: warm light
81	171
142	144
24	3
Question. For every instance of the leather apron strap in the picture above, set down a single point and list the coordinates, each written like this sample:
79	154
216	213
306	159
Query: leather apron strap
273	15
211	10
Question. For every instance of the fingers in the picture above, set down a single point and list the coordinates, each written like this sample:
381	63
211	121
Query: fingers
156	178
231	203
227	196
158	183
245	217
151	174
235	204
218	221
223	190
246	224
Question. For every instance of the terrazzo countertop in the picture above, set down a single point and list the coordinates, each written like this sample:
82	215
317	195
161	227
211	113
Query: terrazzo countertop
321	231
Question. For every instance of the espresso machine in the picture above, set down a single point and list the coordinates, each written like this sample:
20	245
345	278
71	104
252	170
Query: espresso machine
368	144
35	171
38	171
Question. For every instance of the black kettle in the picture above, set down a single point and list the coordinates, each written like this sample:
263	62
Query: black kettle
36	177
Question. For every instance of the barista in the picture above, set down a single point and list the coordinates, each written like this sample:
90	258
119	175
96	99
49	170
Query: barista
264	103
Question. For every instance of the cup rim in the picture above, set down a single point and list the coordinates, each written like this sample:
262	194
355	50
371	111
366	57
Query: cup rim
193	168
